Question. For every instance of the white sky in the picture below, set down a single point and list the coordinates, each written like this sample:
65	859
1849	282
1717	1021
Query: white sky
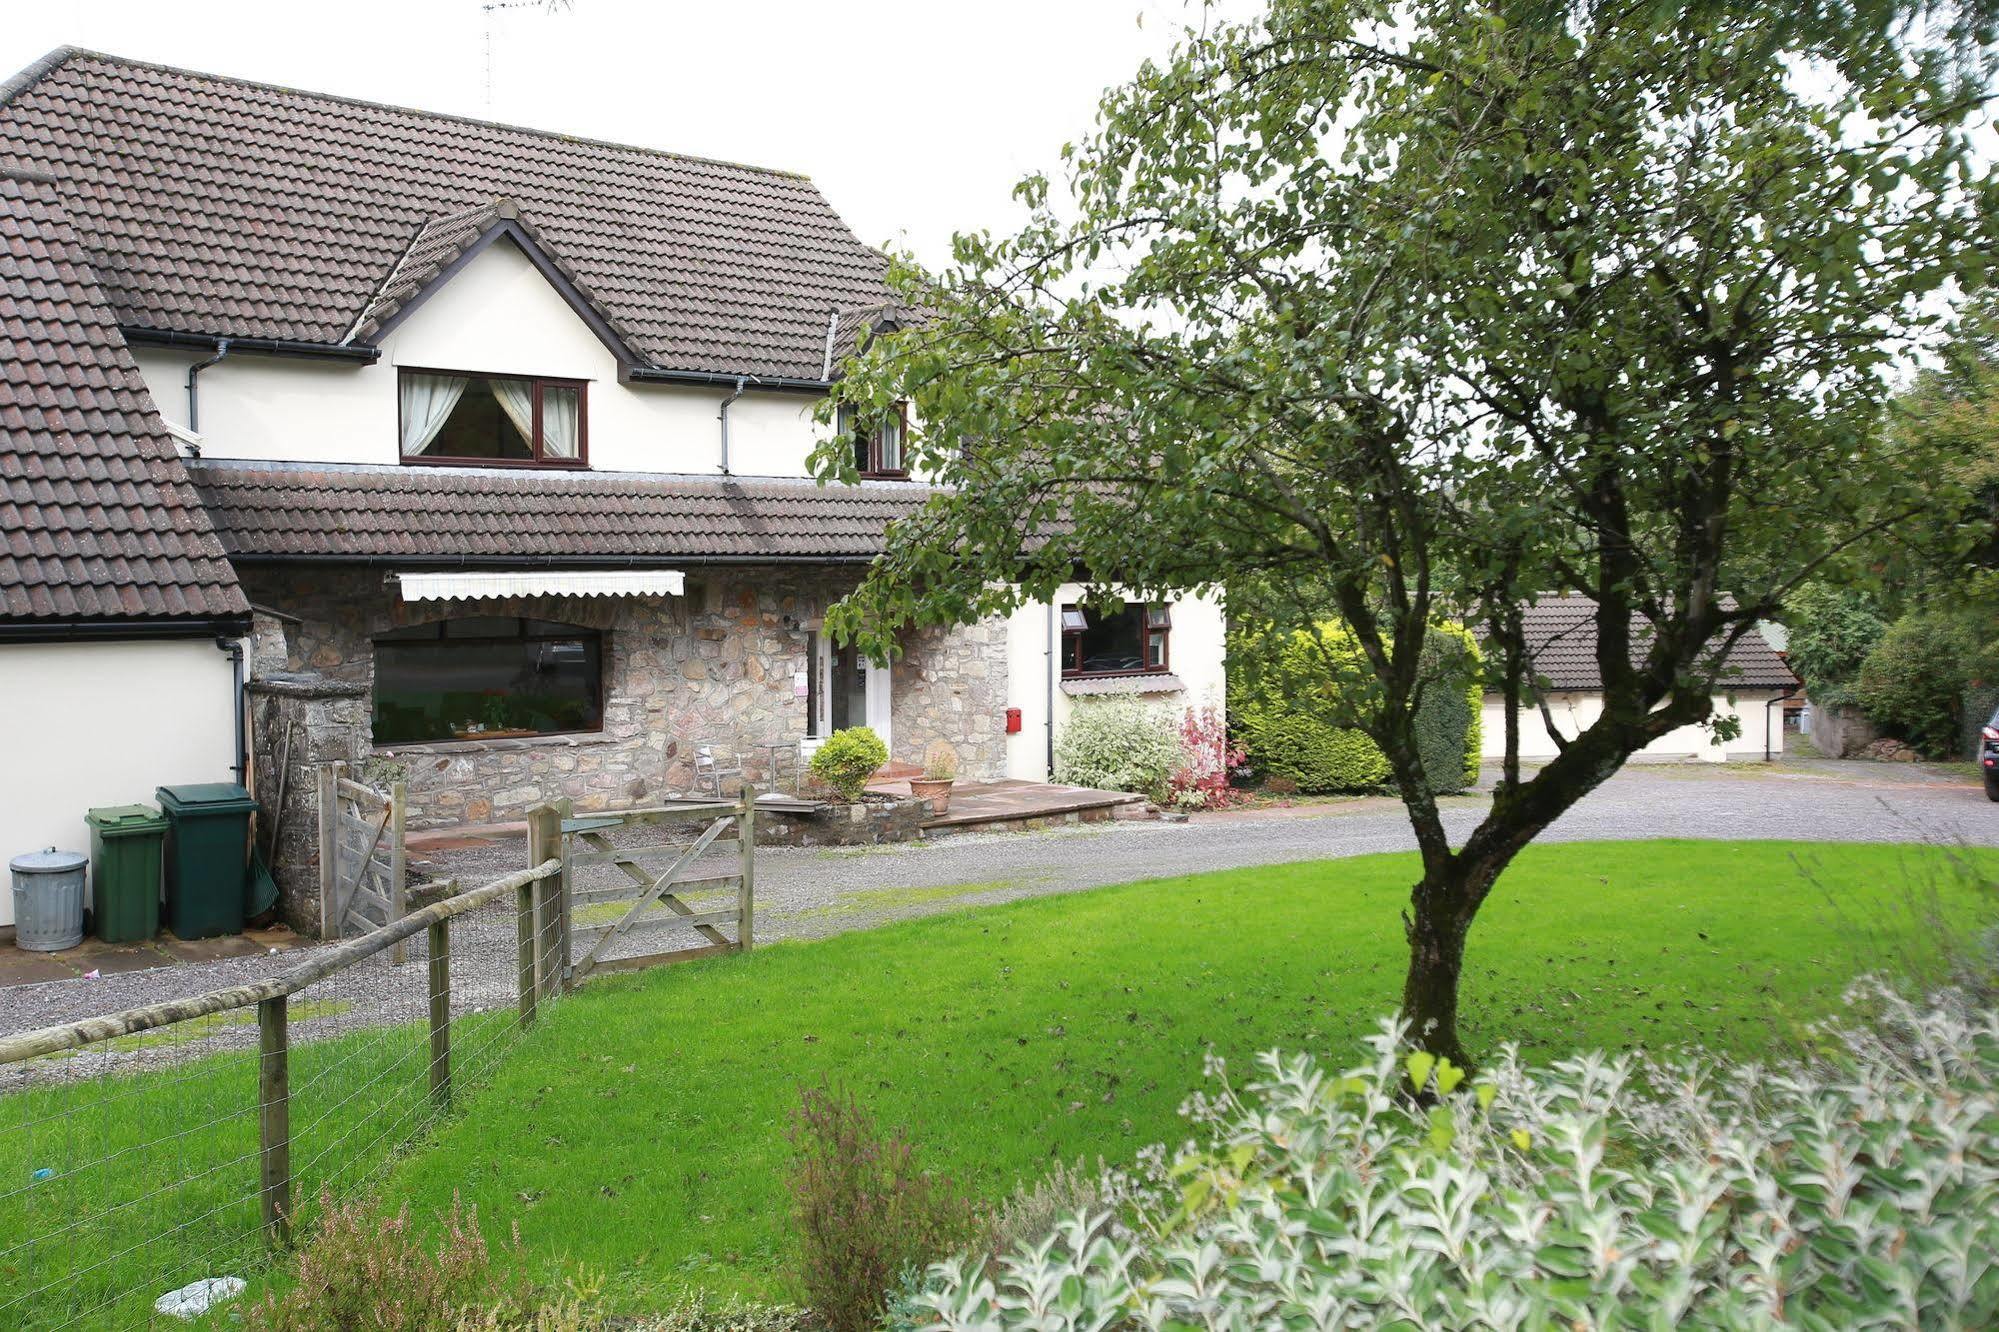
915	117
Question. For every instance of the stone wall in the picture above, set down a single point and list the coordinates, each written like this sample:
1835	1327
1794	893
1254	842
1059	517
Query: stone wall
298	722
948	694
718	664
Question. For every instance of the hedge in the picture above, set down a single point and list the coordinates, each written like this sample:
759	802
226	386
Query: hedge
1291	719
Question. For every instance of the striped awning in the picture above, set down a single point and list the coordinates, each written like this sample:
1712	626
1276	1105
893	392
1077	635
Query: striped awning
542	583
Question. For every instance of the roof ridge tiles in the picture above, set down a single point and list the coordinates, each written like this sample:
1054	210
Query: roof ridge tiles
62	55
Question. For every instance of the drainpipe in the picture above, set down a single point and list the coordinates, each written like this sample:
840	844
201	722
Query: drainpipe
1054	628
193	400
723	415
234	650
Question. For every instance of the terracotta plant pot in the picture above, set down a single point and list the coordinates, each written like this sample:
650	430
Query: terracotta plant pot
937	790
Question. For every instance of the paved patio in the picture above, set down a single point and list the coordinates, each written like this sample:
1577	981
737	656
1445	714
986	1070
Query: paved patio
1013	806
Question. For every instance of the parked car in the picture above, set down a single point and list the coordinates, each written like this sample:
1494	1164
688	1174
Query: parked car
1988	755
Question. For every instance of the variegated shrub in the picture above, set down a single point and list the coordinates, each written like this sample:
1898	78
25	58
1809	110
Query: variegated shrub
1601	1193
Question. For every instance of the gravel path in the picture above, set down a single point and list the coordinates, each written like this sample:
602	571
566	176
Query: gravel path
804	894
813	893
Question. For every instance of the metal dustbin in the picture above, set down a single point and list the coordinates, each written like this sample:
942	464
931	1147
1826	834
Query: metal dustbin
208	852
48	900
125	872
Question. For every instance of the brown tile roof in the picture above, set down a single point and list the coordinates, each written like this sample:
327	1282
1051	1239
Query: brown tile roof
1561	641
97	520
448	514
219	206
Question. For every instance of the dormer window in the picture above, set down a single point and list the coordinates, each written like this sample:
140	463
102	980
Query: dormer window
878	450
503	420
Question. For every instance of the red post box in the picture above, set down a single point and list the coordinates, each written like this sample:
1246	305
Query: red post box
1013	721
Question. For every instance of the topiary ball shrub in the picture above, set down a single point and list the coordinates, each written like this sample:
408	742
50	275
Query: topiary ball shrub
1859	1191
847	759
1119	744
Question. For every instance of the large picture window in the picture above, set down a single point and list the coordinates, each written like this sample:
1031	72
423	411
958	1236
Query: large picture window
500	419
1123	642
487	678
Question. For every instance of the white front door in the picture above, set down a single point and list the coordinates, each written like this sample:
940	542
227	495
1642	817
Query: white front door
846	690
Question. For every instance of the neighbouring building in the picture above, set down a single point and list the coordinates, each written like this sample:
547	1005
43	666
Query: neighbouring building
505	436
121	624
1561	645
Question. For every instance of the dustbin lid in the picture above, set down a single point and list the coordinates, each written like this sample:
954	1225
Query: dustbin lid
50	861
215	796
117	820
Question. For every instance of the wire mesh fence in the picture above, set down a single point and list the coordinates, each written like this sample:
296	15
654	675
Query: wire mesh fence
149	1149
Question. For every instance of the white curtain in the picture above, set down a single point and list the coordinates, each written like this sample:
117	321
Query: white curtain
427	401
516	399
558	422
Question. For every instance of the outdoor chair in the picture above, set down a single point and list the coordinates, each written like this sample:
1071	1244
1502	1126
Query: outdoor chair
715	762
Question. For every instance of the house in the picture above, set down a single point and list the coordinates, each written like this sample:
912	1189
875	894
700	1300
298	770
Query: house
114	593
1561	645
505	435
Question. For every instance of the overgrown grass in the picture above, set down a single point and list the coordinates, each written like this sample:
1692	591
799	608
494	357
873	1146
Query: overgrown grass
643	1136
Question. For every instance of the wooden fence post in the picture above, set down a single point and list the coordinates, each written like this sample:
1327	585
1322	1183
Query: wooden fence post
524	922
398	864
329	848
565	894
274	1132
440	1013
545	843
746	887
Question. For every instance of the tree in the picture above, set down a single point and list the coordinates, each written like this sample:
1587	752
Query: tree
1402	311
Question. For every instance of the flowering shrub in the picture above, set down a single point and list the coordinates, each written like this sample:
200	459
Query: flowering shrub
1860	1191
1118	744
847	759
1206	759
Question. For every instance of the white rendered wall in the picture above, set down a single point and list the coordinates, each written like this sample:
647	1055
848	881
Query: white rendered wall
497	315
1574	712
1197	653
92	724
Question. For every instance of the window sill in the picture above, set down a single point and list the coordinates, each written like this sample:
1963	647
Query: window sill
559	740
1137	682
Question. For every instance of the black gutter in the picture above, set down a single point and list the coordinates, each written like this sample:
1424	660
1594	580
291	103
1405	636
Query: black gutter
102	631
646	374
578	562
333	351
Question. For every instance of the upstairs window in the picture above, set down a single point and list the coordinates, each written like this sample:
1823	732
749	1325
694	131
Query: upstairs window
878	450
487	678
1124	642
511	421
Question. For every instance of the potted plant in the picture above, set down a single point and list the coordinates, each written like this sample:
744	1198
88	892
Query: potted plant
940	769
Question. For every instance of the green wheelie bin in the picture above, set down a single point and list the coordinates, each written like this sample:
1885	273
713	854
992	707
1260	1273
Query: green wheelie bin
125	871
208	855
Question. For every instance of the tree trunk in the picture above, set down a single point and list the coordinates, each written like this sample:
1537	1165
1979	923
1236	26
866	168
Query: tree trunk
1430	991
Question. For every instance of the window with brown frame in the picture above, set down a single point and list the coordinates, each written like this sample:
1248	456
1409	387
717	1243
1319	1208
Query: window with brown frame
878	452
1130	641
504	420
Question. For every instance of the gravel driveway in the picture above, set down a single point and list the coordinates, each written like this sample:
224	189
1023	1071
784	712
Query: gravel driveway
806	893
812	893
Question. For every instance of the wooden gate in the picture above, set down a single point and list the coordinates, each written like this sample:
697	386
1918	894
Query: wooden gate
361	858
651	902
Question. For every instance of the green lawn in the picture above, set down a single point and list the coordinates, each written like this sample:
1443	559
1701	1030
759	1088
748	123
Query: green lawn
640	1133
116	1189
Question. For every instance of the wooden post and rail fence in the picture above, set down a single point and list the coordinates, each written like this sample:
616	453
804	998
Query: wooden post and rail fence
545	897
